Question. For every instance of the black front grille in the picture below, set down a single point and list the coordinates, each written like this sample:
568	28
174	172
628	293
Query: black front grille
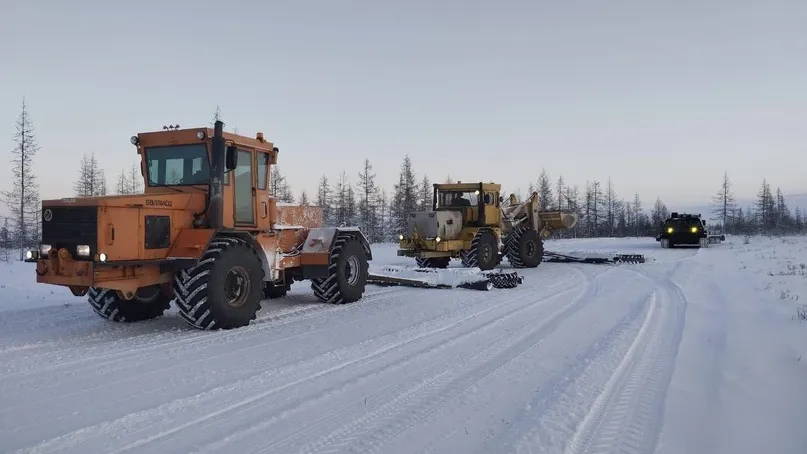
69	227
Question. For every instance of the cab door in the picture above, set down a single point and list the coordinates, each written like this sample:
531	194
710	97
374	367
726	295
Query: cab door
265	202
244	199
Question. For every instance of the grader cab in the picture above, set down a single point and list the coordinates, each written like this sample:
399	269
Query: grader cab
472	222
206	233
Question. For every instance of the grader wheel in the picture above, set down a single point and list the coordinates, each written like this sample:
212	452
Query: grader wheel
524	248
484	252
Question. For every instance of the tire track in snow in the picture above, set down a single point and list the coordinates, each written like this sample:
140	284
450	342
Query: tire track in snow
432	388
230	334
548	414
627	416
209	402
190	336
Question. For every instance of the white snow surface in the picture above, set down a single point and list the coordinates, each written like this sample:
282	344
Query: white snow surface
697	350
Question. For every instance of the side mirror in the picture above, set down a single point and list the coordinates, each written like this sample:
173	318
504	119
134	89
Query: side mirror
231	158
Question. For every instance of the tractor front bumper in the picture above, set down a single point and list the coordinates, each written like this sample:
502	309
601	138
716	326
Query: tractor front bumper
59	268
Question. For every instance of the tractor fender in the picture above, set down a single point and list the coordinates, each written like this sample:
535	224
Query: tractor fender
253	243
319	241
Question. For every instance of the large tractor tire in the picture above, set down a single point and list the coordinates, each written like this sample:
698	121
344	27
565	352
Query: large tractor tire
433	262
524	248
347	273
148	303
225	288
484	252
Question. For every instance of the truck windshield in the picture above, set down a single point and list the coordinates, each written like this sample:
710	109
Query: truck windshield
177	165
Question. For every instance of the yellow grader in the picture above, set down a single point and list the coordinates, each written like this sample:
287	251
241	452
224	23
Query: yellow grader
473	223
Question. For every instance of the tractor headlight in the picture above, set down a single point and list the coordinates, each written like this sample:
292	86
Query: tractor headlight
83	250
29	255
694	229
44	249
102	257
200	135
669	230
438	239
401	237
134	140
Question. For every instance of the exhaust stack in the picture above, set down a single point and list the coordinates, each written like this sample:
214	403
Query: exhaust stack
215	213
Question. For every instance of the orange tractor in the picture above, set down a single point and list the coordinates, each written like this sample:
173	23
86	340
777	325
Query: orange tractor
205	233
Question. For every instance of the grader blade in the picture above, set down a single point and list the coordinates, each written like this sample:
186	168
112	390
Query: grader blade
577	257
467	278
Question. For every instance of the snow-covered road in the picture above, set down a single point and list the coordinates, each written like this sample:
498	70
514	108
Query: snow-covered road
682	354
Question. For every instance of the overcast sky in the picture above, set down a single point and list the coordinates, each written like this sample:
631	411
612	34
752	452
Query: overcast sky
660	96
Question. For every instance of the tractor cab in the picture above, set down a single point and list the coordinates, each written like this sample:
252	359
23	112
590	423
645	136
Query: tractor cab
470	199
186	161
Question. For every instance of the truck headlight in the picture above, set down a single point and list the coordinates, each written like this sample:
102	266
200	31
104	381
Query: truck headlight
83	250
438	239
669	230
400	236
44	249
694	229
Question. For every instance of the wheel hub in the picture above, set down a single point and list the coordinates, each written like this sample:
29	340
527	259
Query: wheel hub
352	270
486	253
236	286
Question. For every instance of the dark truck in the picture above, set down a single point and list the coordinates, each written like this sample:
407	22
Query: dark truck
685	229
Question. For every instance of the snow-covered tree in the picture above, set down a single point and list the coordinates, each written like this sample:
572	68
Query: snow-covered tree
426	193
560	191
135	179
368	203
91	180
279	187
124	186
303	200
723	203
23	198
325	200
405	198
545	198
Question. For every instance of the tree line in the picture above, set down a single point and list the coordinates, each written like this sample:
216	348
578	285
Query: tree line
768	215
359	199
601	211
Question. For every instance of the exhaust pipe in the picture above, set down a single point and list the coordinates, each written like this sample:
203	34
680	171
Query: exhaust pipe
215	212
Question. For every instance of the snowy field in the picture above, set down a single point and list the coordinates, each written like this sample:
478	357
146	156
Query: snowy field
695	351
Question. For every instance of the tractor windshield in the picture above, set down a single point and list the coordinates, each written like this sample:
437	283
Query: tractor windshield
177	165
457	199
